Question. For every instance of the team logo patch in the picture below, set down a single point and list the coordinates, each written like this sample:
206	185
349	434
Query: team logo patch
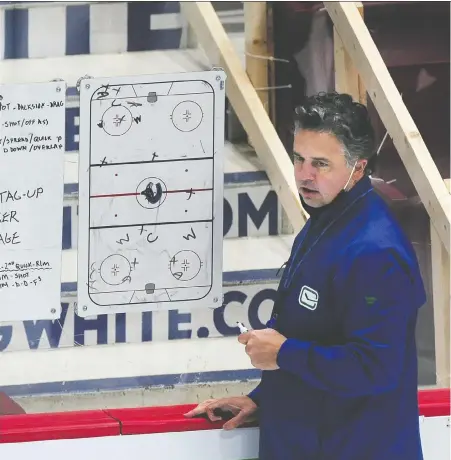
308	298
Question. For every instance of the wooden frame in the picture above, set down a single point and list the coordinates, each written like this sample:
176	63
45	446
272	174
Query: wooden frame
358	65
441	297
248	107
256	46
394	114
347	79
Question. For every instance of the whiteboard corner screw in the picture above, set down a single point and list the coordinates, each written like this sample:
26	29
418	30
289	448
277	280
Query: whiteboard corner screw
218	77
85	308
215	299
88	86
53	311
58	90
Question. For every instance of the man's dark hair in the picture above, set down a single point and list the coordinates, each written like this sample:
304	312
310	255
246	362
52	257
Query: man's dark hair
347	120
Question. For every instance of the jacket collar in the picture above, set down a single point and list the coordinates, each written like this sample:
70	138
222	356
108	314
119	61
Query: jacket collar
340	203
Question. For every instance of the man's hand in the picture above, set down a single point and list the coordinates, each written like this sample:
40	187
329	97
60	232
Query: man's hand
262	346
242	407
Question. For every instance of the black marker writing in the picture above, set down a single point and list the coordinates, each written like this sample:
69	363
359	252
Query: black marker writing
153	240
7	238
36	106
90	284
92	271
191	193
151	195
7	195
8	217
190	235
101	94
122	240
134	104
56	104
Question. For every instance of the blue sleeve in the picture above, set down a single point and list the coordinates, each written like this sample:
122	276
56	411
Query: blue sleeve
380	301
255	395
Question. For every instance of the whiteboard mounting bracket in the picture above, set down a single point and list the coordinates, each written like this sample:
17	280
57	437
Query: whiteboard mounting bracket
86	77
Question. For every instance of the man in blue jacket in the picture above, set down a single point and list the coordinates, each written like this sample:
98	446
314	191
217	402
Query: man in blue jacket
338	356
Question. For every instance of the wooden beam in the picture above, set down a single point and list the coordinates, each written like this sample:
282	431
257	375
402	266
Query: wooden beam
347	79
248	107
256	47
441	301
255	30
394	114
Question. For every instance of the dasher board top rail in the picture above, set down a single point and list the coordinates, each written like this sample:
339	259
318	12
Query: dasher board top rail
146	420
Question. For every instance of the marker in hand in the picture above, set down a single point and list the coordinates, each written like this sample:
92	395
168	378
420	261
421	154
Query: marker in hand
242	327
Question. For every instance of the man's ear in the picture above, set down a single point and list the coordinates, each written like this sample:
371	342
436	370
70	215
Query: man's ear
361	165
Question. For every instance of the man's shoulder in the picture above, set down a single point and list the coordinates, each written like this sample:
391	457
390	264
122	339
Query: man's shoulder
377	229
375	234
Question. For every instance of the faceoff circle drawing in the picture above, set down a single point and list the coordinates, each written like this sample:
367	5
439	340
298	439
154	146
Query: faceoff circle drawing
151	192
115	270
117	120
187	116
185	265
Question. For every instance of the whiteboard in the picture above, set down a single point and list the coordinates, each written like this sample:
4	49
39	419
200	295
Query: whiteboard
151	192
32	140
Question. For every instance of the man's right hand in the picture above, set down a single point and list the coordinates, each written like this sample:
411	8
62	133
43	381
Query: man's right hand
242	407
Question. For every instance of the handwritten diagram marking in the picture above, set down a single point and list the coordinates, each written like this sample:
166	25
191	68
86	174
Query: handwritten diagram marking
151	189
185	265
151	192
117	120
187	116
32	131
115	270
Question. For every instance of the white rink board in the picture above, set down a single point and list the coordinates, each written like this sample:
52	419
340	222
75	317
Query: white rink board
239	444
32	139
151	193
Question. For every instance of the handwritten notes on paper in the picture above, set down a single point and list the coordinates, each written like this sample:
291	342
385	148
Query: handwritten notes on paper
32	139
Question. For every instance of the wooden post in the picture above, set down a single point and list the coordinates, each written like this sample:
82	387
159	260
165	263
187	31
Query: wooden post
248	107
395	116
441	302
347	79
256	47
255	29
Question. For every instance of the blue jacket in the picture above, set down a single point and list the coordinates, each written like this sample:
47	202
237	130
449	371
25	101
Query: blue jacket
346	387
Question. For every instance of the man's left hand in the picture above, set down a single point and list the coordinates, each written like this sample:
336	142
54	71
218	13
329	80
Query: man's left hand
262	346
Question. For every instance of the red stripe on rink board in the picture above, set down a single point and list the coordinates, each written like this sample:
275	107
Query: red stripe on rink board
434	403
62	425
145	420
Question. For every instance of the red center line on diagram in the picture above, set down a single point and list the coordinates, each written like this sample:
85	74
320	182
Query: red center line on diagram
114	195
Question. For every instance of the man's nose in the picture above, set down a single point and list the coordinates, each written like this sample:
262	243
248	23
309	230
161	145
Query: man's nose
304	172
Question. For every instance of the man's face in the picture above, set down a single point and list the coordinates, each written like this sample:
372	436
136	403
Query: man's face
320	167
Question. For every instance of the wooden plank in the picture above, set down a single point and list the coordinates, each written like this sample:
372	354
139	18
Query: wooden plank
394	114
347	79
442	298
271	63
255	29
248	107
256	47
